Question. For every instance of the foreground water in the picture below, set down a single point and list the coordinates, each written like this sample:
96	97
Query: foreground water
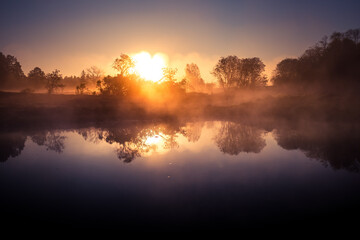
182	176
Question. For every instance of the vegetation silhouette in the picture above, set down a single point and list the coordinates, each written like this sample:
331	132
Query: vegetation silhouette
332	62
37	78
11	73
240	73
321	85
54	80
123	64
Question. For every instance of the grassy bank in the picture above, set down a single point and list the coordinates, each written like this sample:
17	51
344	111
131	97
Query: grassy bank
35	110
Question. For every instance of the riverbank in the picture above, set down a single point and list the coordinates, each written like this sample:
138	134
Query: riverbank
36	110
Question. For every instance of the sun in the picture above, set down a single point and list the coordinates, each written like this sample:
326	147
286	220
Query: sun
149	67
153	140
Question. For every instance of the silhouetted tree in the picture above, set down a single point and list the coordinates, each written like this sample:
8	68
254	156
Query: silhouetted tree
120	85
332	62
251	73
80	89
99	86
226	71
72	81
113	85
285	72
234	72
169	88
123	64
124	84
353	35
93	74
11	74
54	81
83	76
36	78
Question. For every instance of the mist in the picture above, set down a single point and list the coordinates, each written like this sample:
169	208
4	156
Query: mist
238	143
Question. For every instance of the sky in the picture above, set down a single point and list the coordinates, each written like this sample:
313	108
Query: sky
74	35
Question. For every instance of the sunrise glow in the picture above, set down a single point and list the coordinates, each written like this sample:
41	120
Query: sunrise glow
149	67
153	140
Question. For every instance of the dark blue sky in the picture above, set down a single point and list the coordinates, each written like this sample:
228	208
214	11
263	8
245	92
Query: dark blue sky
69	35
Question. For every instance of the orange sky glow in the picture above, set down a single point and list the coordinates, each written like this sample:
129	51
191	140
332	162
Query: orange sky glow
72	36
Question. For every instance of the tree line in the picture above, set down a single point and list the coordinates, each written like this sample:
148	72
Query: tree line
334	60
12	77
93	80
231	72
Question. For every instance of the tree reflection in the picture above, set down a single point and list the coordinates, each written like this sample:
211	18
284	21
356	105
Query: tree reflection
11	145
192	131
234	138
53	141
126	152
92	134
135	140
334	146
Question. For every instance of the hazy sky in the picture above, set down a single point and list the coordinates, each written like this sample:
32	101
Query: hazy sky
73	35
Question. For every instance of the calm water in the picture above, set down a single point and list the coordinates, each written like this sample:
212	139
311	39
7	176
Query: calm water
181	175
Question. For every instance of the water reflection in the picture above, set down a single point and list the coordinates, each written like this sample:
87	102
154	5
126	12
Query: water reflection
136	140
234	138
11	145
52	140
192	131
336	146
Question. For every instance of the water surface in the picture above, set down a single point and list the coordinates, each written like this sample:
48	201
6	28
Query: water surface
181	175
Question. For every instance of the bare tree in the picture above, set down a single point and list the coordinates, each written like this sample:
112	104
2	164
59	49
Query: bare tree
93	75
169	74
